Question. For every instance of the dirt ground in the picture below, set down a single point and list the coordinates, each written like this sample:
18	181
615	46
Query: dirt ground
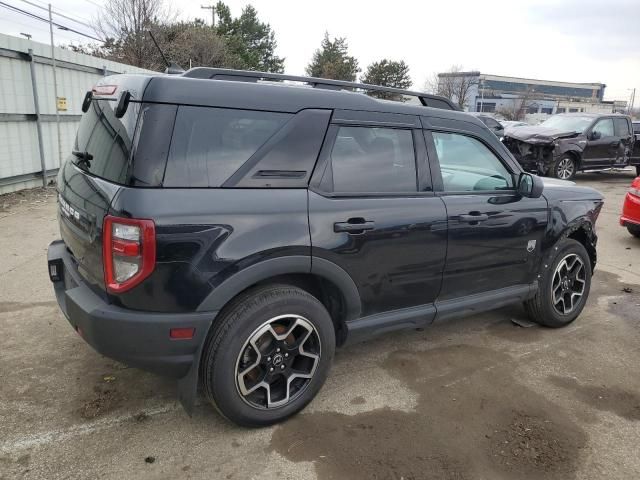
476	398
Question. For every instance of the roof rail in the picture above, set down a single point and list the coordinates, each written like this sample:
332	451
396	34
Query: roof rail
427	100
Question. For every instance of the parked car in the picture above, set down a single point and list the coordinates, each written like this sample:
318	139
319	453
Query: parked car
569	142
230	231
491	123
630	217
635	156
513	123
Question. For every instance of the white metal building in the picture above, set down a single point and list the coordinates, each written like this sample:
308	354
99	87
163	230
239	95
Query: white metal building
541	98
20	163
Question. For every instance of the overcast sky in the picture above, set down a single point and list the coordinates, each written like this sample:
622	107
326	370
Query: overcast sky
567	40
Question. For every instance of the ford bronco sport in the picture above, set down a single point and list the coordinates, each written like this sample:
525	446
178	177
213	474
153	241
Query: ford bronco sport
230	229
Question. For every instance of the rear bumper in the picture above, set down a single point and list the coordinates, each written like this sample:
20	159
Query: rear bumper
630	210
139	339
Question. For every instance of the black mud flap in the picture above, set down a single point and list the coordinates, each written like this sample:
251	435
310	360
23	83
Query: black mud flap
188	385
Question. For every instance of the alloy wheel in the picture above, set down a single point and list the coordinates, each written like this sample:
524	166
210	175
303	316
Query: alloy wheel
278	361
565	168
568	285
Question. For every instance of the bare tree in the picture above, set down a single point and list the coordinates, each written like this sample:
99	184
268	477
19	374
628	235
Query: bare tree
455	84
123	26
518	108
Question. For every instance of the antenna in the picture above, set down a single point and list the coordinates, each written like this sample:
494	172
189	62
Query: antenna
172	67
159	49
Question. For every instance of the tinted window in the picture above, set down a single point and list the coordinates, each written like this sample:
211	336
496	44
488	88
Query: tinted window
210	144
365	159
636	128
107	139
604	127
468	165
621	127
490	122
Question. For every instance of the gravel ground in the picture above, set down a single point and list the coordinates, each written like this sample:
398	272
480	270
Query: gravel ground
476	398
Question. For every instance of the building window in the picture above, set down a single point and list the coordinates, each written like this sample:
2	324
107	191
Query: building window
573	110
561	110
532	109
547	110
485	107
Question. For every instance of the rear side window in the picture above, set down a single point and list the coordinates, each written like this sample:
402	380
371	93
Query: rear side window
106	139
210	144
370	159
636	128
621	127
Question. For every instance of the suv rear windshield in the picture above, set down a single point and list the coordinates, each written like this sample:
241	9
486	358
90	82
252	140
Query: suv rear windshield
106	139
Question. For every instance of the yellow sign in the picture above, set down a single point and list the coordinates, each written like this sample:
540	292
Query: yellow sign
62	104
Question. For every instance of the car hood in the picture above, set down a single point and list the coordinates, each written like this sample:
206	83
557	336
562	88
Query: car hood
556	182
539	134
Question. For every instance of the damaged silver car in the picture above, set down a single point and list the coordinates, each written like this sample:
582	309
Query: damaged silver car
567	143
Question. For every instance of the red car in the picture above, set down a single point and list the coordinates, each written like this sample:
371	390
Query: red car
630	217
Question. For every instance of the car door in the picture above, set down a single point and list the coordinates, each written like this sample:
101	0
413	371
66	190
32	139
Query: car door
600	143
635	155
621	152
494	234
372	211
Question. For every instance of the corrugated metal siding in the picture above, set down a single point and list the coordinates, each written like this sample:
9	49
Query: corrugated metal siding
20	154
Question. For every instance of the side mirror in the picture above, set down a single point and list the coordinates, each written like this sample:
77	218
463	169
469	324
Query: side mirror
595	135
530	186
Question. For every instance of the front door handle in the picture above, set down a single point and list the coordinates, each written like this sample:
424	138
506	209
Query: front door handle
354	225
474	217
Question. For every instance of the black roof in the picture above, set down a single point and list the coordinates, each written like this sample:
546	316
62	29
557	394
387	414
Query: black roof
277	96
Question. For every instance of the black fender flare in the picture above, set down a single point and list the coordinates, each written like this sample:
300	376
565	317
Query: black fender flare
266	269
228	289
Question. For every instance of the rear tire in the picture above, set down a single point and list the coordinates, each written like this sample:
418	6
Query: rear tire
268	355
565	168
634	230
564	286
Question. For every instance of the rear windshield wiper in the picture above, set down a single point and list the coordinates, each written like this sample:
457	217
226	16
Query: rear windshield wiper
83	158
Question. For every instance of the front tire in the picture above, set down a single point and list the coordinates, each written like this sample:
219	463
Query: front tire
565	168
564	286
268	355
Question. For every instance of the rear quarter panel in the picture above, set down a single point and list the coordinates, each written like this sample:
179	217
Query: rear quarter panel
204	236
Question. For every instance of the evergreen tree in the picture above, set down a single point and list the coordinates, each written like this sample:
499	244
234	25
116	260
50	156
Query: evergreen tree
332	60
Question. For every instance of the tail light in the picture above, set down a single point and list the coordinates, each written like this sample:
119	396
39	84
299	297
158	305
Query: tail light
128	251
635	187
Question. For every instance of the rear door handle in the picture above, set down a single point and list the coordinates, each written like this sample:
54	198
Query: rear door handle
478	217
354	225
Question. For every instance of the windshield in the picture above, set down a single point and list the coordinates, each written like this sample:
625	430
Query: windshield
569	123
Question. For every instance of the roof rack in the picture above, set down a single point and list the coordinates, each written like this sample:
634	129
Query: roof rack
434	101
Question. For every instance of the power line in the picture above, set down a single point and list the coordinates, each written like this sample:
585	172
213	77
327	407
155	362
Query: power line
56	13
37	17
66	12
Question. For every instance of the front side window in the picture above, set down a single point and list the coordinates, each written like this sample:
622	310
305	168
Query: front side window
604	127
467	165
377	160
210	144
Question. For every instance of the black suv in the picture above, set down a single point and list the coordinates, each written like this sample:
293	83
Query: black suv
230	229
568	142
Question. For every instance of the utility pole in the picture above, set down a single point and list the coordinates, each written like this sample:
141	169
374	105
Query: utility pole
631	102
213	13
55	88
